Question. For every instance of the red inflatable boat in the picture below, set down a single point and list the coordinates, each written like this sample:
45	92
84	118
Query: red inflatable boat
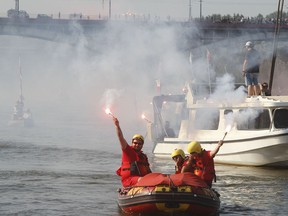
183	193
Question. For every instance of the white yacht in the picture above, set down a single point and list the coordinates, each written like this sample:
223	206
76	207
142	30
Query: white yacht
254	129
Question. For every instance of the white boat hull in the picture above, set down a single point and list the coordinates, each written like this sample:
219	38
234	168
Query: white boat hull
265	149
21	123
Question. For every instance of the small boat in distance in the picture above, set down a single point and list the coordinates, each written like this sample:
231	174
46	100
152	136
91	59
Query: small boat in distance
20	116
256	127
175	194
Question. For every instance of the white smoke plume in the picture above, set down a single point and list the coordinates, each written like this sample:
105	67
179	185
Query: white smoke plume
110	96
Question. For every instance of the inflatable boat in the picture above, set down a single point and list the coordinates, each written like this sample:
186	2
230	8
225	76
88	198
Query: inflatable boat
183	193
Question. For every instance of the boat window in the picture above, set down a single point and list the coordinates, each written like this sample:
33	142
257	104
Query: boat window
207	119
228	112
281	118
253	119
170	118
229	117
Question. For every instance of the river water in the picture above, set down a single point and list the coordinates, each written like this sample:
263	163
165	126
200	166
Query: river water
66	166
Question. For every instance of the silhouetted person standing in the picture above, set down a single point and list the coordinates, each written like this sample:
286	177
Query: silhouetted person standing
251	70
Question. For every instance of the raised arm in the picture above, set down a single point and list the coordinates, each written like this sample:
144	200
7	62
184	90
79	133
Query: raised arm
215	151
121	138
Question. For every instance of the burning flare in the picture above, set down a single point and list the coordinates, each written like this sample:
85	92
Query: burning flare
144	117
228	128
108	112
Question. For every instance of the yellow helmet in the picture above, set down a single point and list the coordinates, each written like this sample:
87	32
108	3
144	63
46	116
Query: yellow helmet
178	152
194	146
139	137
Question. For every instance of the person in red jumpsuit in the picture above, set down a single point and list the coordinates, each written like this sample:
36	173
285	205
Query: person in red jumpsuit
179	158
201	162
134	162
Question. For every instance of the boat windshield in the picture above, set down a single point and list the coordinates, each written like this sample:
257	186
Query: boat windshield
207	119
280	118
253	119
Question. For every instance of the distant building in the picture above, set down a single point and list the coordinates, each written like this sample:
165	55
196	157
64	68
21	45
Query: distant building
75	16
17	13
43	17
12	13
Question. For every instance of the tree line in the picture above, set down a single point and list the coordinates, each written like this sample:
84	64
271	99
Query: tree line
240	18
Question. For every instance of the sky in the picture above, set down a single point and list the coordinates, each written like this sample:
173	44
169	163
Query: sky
176	9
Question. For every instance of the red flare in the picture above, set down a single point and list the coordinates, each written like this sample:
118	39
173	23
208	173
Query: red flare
144	117
108	112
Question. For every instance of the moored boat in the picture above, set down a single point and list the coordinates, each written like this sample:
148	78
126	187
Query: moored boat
20	116
258	125
180	194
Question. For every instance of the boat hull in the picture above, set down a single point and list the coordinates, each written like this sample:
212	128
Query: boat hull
164	198
264	149
21	123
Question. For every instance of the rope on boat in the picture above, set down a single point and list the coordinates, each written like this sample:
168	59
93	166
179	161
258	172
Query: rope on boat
171	183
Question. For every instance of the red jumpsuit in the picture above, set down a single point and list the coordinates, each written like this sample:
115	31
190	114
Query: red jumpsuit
204	167
179	168
134	165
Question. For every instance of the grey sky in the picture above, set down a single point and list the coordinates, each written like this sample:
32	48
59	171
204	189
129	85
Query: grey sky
177	9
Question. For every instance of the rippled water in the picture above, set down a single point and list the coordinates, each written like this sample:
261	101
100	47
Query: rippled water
68	168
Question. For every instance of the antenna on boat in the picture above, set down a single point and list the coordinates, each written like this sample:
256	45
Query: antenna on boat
20	80
208	58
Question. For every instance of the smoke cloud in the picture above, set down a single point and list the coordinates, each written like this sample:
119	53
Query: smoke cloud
116	66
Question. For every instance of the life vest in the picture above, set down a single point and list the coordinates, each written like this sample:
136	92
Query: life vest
139	167
178	169
204	167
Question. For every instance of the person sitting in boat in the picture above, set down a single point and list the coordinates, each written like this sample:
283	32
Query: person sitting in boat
169	132
264	90
201	162
134	162
178	156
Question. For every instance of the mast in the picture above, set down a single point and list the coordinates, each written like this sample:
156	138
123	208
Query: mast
17	5
200	10
109	9
190	11
275	41
20	81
